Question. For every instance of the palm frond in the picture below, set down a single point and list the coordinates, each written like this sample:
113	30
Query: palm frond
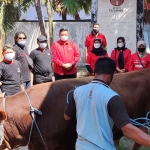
9	16
26	4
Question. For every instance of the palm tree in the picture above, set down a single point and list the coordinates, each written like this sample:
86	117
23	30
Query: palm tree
9	10
64	7
7	15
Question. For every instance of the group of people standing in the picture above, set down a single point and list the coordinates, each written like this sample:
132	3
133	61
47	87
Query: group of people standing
125	61
62	58
17	64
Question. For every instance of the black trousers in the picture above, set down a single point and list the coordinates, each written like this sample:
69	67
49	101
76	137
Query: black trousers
59	77
38	79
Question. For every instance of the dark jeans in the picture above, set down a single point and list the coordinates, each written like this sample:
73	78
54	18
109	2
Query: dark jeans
27	84
59	77
38	79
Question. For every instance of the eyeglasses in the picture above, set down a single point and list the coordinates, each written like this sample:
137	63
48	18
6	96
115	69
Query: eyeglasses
22	37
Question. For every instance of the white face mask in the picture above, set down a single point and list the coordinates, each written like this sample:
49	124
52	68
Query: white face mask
43	45
120	44
21	42
64	38
9	56
97	45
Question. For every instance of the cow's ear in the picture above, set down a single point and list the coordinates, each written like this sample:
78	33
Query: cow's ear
3	115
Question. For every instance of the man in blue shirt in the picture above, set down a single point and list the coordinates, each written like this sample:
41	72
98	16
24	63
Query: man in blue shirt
97	107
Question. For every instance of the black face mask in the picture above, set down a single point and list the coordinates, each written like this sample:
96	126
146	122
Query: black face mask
141	49
96	30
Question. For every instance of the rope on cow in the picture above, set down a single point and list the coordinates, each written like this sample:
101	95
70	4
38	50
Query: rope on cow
32	111
146	125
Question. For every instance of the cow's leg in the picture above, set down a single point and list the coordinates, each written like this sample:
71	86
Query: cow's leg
136	145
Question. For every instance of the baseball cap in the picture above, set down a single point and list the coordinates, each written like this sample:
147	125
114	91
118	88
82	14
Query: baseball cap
141	43
41	38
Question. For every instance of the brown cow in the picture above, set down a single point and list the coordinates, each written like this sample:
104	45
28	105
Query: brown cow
50	98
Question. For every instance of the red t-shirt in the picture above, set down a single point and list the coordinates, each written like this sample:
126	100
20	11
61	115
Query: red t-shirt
89	41
65	53
127	55
135	64
91	59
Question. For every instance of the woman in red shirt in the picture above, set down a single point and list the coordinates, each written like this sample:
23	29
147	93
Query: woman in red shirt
121	55
97	52
140	59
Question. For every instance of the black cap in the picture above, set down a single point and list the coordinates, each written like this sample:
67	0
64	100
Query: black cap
97	39
41	38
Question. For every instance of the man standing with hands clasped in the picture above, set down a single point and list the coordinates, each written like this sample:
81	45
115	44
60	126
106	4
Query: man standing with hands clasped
97	107
65	55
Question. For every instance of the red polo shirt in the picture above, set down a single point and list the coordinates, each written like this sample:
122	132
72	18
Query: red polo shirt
89	41
63	53
126	54
92	58
135	64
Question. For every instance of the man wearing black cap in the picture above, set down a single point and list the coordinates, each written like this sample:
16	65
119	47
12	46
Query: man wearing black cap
41	57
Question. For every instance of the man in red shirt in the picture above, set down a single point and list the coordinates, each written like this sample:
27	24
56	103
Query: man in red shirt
140	59
65	55
90	38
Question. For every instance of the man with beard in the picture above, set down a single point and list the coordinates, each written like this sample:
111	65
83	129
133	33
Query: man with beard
90	38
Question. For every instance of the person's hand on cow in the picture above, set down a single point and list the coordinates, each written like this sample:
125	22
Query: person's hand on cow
0	83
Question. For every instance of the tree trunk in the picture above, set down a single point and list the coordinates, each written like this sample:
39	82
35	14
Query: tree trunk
1	27
64	15
77	17
37	4
94	9
50	20
1	57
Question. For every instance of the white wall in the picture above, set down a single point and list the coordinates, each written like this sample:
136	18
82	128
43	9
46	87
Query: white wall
118	21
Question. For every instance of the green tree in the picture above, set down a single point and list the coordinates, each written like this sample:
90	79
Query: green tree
64	7
9	11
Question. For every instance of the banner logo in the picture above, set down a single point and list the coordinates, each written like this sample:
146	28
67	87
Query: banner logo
116	2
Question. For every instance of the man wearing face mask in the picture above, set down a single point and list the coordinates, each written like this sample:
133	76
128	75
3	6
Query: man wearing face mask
89	41
140	59
20	54
121	55
97	52
65	55
10	74
42	71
